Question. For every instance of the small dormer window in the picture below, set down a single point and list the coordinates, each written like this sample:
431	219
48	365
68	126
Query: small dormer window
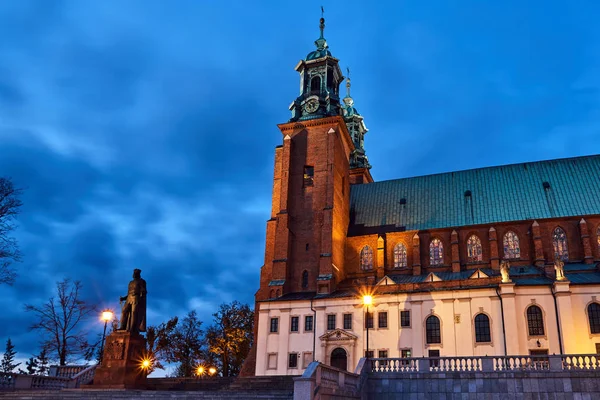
315	85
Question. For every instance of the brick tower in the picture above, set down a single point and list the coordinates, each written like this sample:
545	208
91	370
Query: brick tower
321	155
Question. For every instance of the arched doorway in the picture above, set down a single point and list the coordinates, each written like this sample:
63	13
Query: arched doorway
339	358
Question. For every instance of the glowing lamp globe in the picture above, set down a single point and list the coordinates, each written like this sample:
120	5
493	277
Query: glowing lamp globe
107	315
367	300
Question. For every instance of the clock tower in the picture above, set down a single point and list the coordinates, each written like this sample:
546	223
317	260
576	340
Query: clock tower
320	78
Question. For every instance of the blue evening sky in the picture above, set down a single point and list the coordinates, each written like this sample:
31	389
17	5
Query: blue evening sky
143	131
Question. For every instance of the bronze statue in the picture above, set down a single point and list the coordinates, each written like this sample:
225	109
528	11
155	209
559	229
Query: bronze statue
559	267
133	312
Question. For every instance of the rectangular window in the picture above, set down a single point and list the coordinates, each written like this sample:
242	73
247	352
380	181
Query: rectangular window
369	320
293	360
597	348
294	324
306	359
347	321
434	363
405	319
331	322
383	354
274	325
382	319
541	361
406	353
309	173
272	361
308	323
369	354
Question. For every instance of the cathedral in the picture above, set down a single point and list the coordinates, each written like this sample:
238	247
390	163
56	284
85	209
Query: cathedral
491	261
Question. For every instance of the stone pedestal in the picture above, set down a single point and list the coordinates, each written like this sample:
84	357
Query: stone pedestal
121	362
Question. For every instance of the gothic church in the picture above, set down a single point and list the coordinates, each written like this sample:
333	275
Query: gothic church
492	261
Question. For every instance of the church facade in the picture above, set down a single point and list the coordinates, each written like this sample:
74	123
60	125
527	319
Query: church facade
492	261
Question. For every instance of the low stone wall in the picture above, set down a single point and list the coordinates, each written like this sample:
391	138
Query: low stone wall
522	385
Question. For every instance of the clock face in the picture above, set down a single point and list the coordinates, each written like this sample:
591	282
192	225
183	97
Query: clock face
311	106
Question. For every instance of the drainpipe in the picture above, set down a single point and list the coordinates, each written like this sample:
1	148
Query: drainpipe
314	327
502	314
560	345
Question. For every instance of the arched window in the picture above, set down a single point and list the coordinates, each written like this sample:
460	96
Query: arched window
433	333
535	321
400	256
594	317
366	258
277	293
482	329
304	279
598	238
559	241
272	294
436	252
315	84
474	249
512	248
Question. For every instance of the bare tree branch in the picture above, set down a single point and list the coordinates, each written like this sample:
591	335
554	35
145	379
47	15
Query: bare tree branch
10	205
59	321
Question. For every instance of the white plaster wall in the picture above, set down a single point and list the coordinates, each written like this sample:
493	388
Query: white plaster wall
458	335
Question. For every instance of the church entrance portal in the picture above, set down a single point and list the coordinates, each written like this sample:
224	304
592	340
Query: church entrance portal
339	358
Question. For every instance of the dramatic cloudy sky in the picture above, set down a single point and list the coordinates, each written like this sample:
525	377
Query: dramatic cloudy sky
143	131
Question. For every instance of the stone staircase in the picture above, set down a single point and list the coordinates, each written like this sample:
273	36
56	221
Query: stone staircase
250	388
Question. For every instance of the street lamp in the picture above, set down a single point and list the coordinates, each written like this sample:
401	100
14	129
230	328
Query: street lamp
212	370
107	316
367	301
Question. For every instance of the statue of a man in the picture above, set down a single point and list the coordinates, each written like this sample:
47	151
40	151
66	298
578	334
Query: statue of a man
133	313
504	270
559	267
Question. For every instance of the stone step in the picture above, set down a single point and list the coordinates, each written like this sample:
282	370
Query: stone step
106	394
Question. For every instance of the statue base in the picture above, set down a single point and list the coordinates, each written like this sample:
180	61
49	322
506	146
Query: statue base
121	362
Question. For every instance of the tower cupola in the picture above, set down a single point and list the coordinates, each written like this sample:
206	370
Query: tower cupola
320	79
357	128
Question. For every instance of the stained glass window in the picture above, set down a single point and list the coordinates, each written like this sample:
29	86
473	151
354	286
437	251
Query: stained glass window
400	256
482	329
594	317
436	252
535	321
559	240
512	248
366	258
433	332
474	249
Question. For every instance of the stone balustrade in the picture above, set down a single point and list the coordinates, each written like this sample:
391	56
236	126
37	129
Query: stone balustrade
82	375
579	362
321	381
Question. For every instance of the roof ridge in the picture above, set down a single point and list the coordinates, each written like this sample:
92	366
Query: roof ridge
565	159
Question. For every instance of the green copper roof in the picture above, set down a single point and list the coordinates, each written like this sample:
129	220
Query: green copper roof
536	190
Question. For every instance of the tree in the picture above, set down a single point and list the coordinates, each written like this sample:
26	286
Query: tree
231	336
59	320
31	366
186	345
8	359
9	250
159	341
43	362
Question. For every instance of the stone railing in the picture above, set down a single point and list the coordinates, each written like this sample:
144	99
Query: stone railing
582	362
22	381
321	381
66	371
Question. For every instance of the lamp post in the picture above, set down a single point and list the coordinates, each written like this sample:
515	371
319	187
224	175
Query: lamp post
367	301
107	315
